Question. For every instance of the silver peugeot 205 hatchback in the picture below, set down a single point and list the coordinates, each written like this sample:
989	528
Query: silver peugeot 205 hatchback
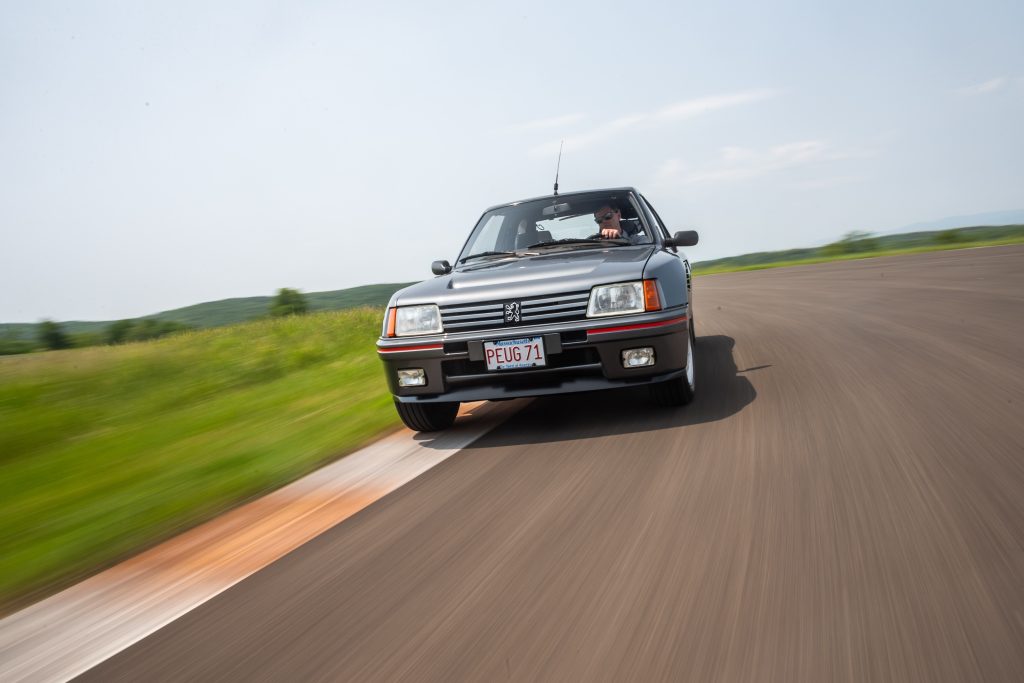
571	292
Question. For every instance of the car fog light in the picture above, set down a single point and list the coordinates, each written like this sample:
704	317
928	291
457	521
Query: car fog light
413	377
638	358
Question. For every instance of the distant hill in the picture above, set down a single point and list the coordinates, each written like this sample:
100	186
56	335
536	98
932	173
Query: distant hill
228	311
907	240
1013	217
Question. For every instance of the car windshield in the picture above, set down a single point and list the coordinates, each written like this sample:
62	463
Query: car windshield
554	223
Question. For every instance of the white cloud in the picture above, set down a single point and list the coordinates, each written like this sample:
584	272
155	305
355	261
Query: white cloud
674	112
554	122
740	163
703	105
983	88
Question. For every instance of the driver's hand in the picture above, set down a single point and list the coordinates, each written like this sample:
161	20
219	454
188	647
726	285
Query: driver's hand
610	232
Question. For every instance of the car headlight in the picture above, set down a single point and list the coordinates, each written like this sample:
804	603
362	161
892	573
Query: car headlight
617	299
411	320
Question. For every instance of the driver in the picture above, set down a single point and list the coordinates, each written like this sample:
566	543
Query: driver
609	221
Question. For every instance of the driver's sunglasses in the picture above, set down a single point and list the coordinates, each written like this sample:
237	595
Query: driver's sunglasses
604	218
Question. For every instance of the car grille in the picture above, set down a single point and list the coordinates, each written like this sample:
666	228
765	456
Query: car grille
550	308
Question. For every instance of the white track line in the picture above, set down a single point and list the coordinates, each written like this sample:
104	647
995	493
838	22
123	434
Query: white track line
73	631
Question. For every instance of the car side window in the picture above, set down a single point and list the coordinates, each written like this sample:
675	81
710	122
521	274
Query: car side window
655	218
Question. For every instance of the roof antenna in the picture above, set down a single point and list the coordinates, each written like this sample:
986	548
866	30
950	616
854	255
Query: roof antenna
559	165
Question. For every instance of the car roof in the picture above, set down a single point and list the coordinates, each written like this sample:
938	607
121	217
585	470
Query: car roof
561	195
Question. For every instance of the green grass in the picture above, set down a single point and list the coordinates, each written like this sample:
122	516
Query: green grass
106	450
735	264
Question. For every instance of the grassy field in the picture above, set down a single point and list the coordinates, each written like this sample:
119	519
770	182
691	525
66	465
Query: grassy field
106	450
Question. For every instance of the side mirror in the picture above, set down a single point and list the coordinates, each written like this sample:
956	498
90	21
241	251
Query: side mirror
440	267
684	238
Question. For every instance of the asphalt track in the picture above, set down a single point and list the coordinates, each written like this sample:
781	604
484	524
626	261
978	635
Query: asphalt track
843	501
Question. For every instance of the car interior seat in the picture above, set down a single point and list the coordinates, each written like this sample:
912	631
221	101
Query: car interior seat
532	236
632	226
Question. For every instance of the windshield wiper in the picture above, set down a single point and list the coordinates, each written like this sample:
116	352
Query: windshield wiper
487	253
582	240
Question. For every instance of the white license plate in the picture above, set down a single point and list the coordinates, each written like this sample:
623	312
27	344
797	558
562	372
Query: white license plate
512	354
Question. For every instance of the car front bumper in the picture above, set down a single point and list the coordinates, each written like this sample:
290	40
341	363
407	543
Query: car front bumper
581	356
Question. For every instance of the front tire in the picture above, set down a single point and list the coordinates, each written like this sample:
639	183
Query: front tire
427	417
679	391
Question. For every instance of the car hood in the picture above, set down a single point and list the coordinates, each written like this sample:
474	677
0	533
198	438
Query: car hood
570	270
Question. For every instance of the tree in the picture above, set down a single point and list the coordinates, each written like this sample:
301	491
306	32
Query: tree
142	329
10	343
288	302
948	237
852	243
145	329
118	332
52	336
78	340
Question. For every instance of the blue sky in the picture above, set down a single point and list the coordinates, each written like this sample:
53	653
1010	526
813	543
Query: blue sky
154	156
